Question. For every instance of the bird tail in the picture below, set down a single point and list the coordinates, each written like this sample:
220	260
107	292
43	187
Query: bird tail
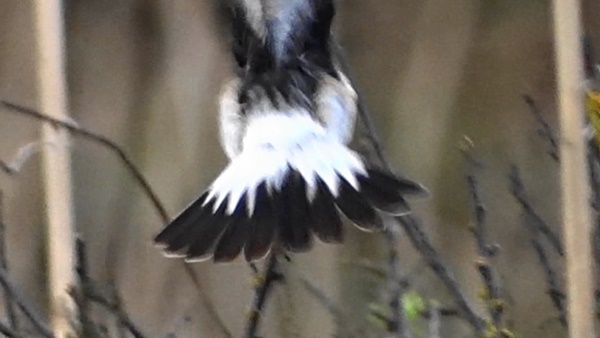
283	189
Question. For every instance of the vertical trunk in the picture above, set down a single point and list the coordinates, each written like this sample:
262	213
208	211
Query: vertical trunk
56	164
574	175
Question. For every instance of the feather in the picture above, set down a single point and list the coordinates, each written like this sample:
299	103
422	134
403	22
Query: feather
402	185
383	195
235	236
326	220
358	210
180	223
295	220
194	230
203	241
263	226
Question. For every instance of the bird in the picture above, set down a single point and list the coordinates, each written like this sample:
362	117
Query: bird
286	119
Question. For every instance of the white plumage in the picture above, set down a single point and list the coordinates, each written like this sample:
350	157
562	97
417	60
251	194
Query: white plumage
285	122
275	143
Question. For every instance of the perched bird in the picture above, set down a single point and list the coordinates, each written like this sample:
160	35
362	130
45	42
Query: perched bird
285	123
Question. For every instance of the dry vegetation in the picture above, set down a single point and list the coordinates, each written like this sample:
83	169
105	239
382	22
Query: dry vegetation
461	97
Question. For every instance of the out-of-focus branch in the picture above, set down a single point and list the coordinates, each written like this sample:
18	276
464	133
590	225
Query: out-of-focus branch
398	324
6	168
435	322
133	170
7	331
413	229
532	222
13	293
545	130
264	285
486	251
90	292
423	245
8	301
100	139
518	192
23	155
114	305
79	294
410	224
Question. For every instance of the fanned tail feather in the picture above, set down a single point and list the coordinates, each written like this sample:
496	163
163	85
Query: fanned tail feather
285	195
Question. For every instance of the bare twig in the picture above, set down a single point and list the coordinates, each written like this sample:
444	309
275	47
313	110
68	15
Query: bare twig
423	245
545	129
8	301
23	155
37	322
518	191
100	139
398	324
133	170
435	322
532	223
88	327
113	304
269	276
442	311
6	167
413	229
7	331
554	291
486	251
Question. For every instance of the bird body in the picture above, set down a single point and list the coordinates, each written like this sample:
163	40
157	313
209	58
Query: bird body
285	122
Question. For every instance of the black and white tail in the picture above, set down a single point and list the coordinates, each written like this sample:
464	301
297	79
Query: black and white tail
291	182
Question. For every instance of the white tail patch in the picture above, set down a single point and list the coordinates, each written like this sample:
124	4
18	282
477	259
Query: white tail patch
275	144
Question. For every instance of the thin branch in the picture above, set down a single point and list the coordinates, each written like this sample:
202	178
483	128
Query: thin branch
423	245
554	291
398	324
414	230
80	294
8	301
518	191
100	139
486	251
6	168
269	276
113	304
10	289
133	170
532	222
545	130
7	331
24	154
435	322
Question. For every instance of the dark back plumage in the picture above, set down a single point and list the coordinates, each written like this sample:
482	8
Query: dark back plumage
280	56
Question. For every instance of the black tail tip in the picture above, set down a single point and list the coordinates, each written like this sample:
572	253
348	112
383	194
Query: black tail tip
289	217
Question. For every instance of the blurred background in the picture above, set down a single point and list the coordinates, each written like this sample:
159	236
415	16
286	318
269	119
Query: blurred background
147	74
